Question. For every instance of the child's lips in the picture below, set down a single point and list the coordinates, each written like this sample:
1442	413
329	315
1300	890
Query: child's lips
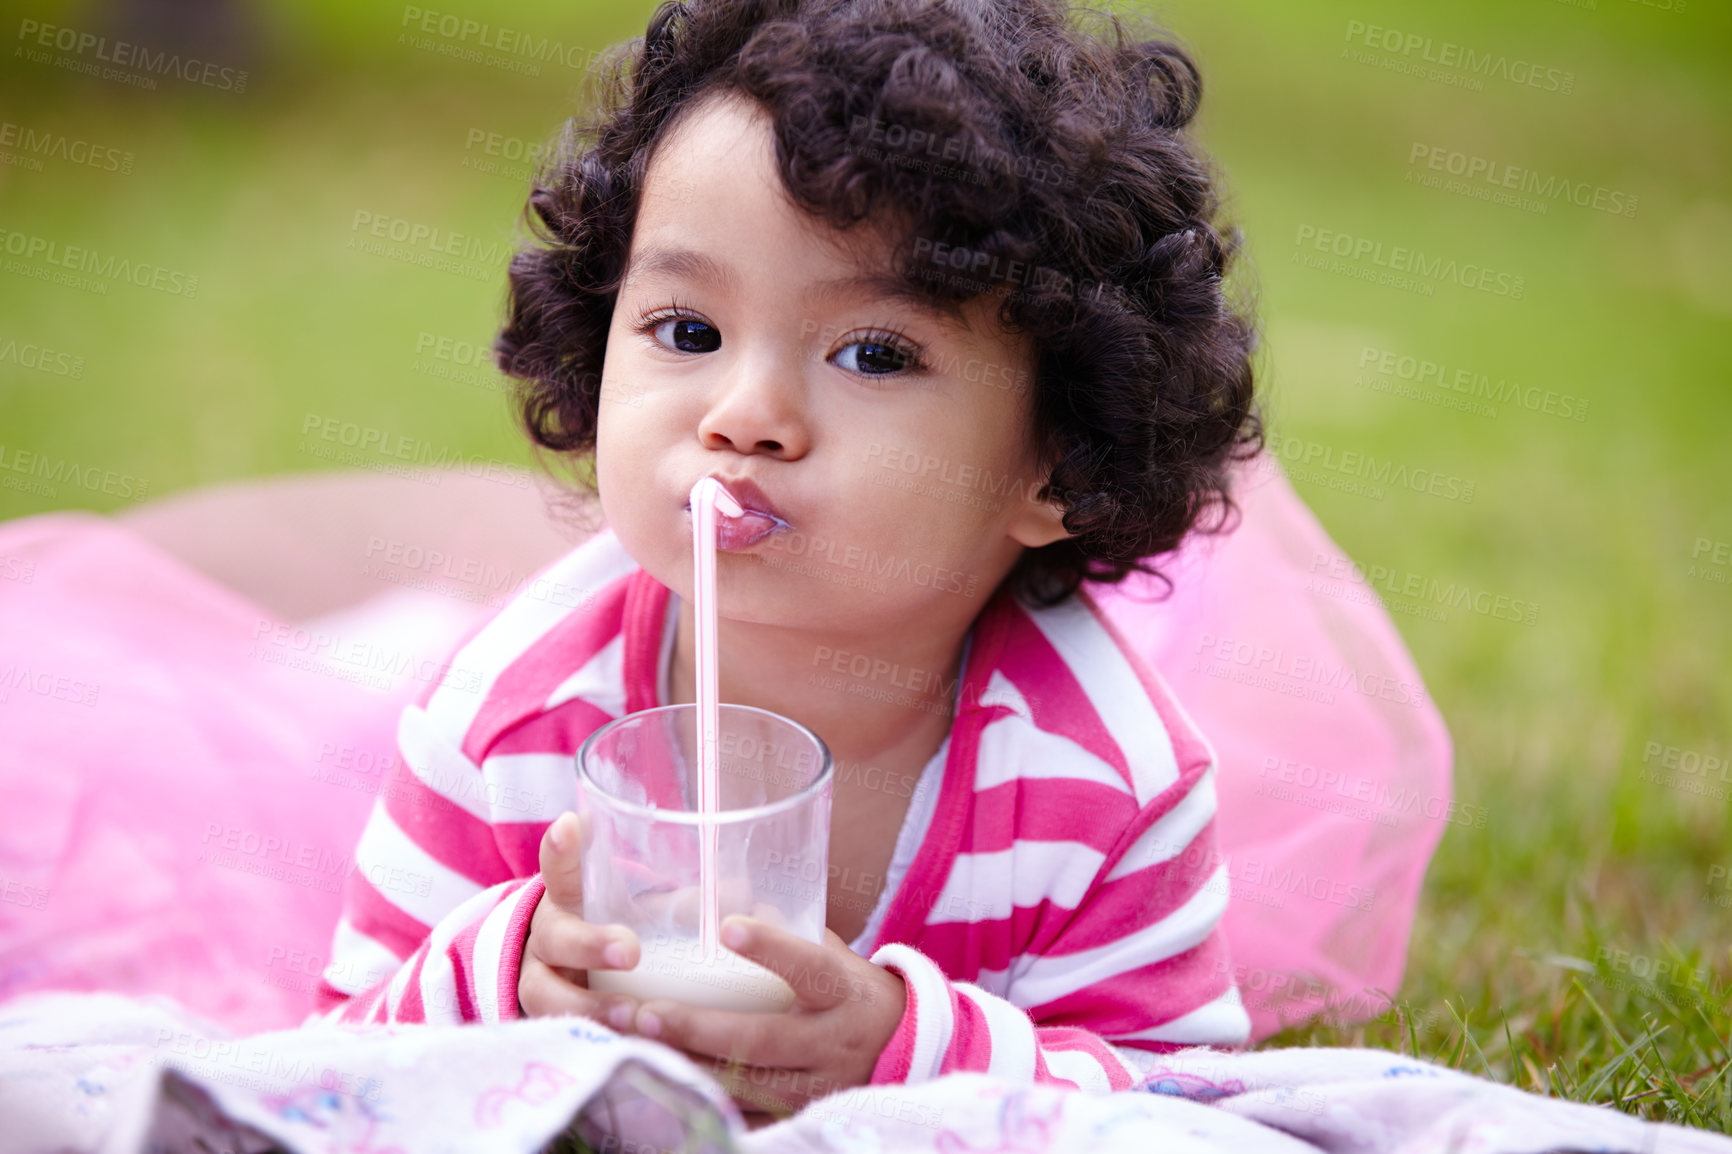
734	534
746	530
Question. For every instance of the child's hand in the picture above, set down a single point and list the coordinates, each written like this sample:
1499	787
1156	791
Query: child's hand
845	1010
562	947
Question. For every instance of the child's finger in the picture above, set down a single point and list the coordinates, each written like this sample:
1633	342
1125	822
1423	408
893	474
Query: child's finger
543	992
819	976
565	940
562	862
780	1040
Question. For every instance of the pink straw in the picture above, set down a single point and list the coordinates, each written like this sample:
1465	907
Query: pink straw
709	497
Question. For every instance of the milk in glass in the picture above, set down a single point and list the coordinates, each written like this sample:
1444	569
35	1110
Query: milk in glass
673	968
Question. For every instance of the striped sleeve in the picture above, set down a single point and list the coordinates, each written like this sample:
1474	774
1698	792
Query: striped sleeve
437	907
465	971
432	910
1139	967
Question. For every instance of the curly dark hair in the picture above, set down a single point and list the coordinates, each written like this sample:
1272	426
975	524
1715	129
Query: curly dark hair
1064	179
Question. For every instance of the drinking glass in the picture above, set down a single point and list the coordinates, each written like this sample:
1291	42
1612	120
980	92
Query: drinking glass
638	785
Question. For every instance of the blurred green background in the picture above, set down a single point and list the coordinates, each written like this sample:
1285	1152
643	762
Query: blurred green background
1322	124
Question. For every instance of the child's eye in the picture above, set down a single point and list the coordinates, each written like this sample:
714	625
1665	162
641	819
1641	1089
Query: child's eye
686	334
878	354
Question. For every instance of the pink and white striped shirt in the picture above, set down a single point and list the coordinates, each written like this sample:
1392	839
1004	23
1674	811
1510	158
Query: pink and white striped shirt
1053	904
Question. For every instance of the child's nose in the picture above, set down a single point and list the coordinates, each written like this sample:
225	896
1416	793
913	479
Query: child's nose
757	412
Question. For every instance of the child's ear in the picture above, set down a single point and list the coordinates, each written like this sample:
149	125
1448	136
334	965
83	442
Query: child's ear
1038	522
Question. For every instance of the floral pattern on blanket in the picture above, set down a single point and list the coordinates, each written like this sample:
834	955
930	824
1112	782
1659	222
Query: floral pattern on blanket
100	1073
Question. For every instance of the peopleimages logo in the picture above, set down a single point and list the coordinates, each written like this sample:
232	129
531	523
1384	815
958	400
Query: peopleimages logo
1501	177
1434	590
41	474
1390	800
1411	51
467	39
40	358
436	240
1472	384
107	266
415	450
36	36
1315	461
1248	662
35	146
1403	263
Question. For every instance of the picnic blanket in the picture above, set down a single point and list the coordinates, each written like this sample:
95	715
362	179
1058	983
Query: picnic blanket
99	1073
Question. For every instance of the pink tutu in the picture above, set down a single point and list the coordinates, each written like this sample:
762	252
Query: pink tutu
183	777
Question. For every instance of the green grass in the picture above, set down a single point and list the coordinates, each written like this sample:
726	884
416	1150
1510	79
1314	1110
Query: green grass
1594	521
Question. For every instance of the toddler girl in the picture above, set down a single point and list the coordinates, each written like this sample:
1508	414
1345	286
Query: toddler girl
935	289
